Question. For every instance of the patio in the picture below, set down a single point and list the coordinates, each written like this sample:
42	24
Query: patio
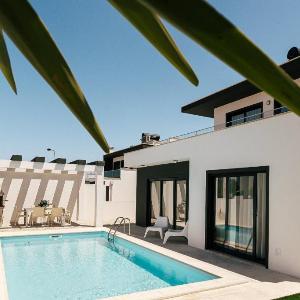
228	262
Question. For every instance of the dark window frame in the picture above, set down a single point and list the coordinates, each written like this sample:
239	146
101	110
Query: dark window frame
107	188
210	193
243	111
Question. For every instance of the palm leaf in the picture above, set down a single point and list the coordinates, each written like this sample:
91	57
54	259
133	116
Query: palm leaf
201	22
153	29
21	23
5	63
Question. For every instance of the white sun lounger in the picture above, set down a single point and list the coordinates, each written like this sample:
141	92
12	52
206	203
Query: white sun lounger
161	225
171	232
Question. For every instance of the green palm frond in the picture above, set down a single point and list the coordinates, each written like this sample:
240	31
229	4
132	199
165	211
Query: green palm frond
201	22
155	32
5	63
24	27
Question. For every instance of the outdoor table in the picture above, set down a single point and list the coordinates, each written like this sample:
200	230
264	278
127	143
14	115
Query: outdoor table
28	211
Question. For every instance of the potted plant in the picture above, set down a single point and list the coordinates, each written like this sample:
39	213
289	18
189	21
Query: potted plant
43	203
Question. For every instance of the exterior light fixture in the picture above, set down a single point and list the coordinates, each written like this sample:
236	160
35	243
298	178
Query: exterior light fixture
53	151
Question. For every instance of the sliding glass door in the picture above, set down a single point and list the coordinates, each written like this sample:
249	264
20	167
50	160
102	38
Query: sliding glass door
239	209
238	213
155	200
181	203
169	198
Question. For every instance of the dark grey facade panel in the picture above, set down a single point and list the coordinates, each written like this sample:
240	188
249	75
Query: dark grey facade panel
179	171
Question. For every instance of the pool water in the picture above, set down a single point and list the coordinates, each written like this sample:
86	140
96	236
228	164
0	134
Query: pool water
85	266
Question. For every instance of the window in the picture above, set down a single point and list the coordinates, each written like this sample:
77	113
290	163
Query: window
237	218
220	187
244	115
168	198
279	108
107	193
118	164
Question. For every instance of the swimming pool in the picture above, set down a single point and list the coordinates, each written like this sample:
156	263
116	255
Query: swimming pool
85	266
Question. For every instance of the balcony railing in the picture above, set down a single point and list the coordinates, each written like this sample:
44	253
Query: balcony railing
217	127
113	173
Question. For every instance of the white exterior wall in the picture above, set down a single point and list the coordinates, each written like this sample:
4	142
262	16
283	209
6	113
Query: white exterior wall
25	184
122	202
270	142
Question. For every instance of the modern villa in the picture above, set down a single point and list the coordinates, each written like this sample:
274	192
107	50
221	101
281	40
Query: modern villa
236	183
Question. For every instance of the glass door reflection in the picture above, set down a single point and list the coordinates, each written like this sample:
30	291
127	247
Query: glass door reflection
181	204
155	200
234	202
168	198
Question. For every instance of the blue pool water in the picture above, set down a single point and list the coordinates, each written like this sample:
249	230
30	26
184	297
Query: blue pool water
234	234
85	266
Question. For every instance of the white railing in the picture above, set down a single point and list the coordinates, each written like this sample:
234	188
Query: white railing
217	127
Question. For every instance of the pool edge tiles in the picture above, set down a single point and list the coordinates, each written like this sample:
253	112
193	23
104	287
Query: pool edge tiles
227	278
3	283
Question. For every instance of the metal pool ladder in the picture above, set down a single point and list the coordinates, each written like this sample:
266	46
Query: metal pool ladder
117	224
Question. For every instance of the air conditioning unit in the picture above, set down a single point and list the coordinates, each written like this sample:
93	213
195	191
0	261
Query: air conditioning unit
149	138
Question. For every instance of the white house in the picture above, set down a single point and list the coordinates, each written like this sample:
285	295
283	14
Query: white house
237	182
91	197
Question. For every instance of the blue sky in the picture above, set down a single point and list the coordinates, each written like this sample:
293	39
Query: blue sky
129	85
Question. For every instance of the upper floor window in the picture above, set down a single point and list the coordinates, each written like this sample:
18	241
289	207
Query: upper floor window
245	114
279	108
118	164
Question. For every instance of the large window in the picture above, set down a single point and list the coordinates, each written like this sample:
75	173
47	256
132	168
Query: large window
118	164
169	199
237	212
246	114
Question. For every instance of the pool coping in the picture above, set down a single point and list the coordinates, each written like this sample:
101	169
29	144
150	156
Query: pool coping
226	278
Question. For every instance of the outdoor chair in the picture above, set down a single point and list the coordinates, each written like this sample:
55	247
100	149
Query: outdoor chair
37	213
67	216
172	232
161	225
20	214
57	213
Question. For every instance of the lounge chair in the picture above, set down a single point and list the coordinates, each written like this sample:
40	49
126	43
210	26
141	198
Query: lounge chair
57	213
37	212
171	232
161	225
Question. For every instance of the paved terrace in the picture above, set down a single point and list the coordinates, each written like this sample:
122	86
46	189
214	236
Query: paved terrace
231	263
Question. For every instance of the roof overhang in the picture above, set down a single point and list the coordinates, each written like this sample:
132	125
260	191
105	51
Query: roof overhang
205	106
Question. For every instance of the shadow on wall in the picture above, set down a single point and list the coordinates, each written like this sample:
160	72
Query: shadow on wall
27	189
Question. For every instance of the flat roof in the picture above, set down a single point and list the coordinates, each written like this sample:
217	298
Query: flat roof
126	150
205	106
